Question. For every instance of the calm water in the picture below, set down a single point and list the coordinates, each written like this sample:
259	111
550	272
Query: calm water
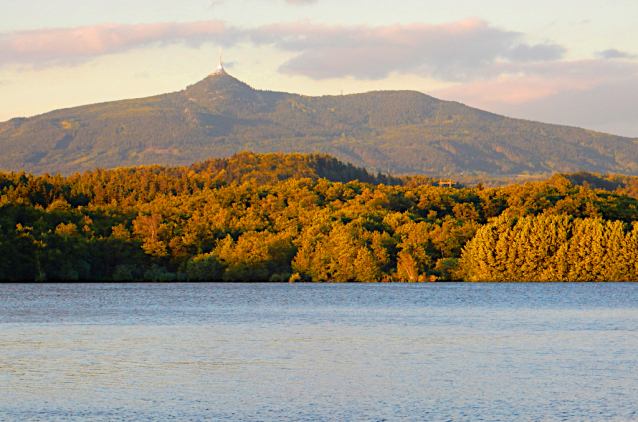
319	352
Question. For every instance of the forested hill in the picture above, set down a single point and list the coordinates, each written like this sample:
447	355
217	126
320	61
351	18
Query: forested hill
402	132
272	217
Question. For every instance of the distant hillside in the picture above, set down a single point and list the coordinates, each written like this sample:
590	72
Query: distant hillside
272	168
125	185
403	132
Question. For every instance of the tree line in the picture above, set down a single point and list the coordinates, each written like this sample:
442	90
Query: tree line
298	217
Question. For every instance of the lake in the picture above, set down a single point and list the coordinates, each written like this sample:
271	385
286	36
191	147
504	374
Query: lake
300	352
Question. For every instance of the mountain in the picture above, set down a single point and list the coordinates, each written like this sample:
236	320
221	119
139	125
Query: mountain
403	132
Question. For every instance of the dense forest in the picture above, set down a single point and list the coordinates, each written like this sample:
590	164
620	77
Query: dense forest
397	132
277	217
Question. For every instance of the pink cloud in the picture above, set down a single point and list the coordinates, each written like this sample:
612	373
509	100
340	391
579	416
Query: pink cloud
452	51
609	106
496	69
449	51
536	81
49	46
508	90
595	94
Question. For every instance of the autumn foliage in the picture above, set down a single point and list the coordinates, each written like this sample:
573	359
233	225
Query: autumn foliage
299	217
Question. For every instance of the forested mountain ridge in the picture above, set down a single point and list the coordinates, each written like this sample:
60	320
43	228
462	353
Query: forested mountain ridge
403	132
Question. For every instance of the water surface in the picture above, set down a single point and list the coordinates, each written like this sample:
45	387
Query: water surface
318	352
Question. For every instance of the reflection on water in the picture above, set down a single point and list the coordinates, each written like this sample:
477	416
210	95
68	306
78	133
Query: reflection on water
319	352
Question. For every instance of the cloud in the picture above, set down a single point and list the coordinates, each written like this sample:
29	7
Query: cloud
513	83
69	46
539	52
608	107
452	51
595	94
493	68
505	91
456	51
612	53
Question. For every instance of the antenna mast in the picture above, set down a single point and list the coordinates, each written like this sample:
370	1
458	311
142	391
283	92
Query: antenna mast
220	68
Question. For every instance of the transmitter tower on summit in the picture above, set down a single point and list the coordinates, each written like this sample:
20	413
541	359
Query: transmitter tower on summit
220	68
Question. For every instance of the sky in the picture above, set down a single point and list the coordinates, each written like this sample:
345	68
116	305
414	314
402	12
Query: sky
558	61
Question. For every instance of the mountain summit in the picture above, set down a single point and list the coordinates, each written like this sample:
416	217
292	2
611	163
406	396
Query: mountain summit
398	131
